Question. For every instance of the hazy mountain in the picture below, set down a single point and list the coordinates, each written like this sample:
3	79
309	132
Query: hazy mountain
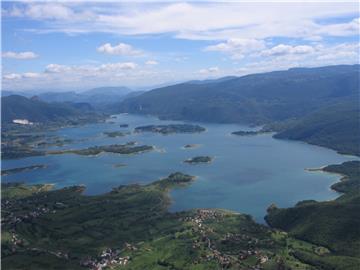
97	96
35	110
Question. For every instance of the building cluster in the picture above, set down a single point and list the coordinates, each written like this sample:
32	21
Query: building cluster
12	219
225	261
22	122
107	258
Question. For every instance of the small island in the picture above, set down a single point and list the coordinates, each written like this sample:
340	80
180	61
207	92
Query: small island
22	169
173	180
124	149
113	134
169	129
199	159
248	133
124	125
119	165
190	146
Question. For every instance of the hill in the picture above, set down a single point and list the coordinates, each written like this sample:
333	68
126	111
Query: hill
258	98
336	126
296	100
97	97
333	224
35	110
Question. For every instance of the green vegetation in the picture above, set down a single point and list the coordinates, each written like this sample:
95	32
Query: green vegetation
37	111
11	152
22	169
199	159
336	127
20	142
190	146
127	148
131	228
350	182
113	134
247	133
333	224
19	190
168	129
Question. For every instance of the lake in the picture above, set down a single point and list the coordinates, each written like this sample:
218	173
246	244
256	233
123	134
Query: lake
247	174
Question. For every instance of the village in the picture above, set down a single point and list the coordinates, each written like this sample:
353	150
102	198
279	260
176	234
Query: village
225	260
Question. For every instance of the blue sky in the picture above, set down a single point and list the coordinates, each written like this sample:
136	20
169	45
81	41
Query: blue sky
75	45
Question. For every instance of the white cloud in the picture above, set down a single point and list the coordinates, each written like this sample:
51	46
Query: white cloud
118	66
19	55
12	76
55	68
283	49
31	75
151	62
210	70
17	76
345	53
202	21
237	47
119	49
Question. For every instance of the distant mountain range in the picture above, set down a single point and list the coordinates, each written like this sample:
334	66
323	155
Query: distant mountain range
317	105
99	98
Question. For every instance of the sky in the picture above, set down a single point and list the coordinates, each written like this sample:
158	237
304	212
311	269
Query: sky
62	45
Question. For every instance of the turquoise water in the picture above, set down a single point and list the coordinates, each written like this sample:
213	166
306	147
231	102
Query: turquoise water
247	174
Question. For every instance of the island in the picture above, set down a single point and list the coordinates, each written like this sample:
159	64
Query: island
124	125
199	159
113	134
172	128
190	146
119	165
22	169
127	148
248	133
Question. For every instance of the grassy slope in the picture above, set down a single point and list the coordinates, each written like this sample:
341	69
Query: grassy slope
334	224
84	226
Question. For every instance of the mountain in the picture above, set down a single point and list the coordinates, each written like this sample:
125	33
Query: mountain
290	96
97	96
336	126
5	93
35	110
258	98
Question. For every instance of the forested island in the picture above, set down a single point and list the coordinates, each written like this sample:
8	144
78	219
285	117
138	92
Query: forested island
114	134
128	148
22	169
199	159
248	133
169	129
191	146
